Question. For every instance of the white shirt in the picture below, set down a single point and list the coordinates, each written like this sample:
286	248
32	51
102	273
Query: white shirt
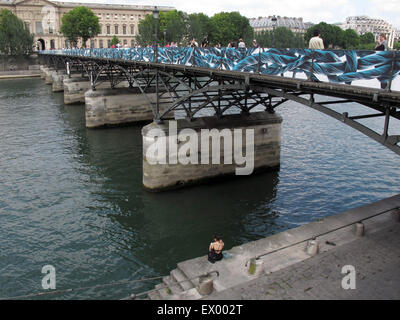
316	43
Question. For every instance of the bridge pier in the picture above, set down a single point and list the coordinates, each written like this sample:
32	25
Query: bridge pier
58	80
48	78
76	86
117	106
256	136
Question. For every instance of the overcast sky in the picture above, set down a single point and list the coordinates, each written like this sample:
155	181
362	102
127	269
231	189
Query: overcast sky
315	11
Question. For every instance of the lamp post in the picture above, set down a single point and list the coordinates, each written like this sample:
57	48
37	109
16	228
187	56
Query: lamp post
274	21
155	15
90	39
165	34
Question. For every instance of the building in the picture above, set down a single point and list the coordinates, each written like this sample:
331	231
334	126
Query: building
364	24
43	19
296	25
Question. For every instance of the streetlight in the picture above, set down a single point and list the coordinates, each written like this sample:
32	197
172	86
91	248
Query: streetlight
155	16
90	39
165	34
274	22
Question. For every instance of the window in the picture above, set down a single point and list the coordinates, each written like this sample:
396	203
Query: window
101	28
109	43
131	16
108	30
100	43
39	29
107	16
116	29
50	29
132	43
99	15
92	44
124	29
132	29
123	17
115	16
125	41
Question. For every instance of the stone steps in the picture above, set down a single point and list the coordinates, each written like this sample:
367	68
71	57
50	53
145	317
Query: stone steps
174	287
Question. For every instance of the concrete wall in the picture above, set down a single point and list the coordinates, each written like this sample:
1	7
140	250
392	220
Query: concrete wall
117	106
267	140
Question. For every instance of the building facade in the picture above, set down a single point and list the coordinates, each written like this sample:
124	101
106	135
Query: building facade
296	25
364	24
43	19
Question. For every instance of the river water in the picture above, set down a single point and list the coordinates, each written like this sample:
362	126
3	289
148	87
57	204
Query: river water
72	198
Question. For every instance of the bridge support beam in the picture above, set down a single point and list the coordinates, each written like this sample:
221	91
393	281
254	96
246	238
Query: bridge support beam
107	107
263	146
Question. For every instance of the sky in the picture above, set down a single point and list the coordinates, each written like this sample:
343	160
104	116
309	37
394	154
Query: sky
330	11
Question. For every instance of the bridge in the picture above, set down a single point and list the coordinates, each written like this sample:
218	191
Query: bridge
192	83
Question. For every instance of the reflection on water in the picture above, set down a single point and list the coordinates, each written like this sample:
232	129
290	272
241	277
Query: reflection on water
73	197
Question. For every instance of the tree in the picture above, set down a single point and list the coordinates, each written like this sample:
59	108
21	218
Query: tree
15	38
367	38
80	22
283	38
351	40
230	26
146	31
174	23
199	26
114	41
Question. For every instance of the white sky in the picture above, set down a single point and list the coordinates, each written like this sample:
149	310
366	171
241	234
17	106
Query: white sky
315	11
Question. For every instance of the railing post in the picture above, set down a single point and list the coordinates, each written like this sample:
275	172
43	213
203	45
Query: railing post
312	65
194	57
389	88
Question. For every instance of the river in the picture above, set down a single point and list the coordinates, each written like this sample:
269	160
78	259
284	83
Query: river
72	197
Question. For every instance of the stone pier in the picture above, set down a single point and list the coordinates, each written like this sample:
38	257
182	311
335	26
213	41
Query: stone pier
262	149
48	78
76	86
74	89
58	80
117	106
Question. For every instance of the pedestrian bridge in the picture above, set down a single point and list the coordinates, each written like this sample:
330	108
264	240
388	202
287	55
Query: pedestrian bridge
220	81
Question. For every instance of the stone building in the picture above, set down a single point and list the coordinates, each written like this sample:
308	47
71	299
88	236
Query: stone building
43	18
296	25
364	24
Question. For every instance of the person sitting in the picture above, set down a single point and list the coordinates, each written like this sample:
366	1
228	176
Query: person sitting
215	250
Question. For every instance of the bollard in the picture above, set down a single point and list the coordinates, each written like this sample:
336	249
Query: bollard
359	229
205	286
312	247
396	215
256	267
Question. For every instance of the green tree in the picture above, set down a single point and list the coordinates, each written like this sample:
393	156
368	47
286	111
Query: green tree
146	31
80	22
351	40
230	26
114	41
15	38
264	38
367	38
174	23
396	45
199	26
